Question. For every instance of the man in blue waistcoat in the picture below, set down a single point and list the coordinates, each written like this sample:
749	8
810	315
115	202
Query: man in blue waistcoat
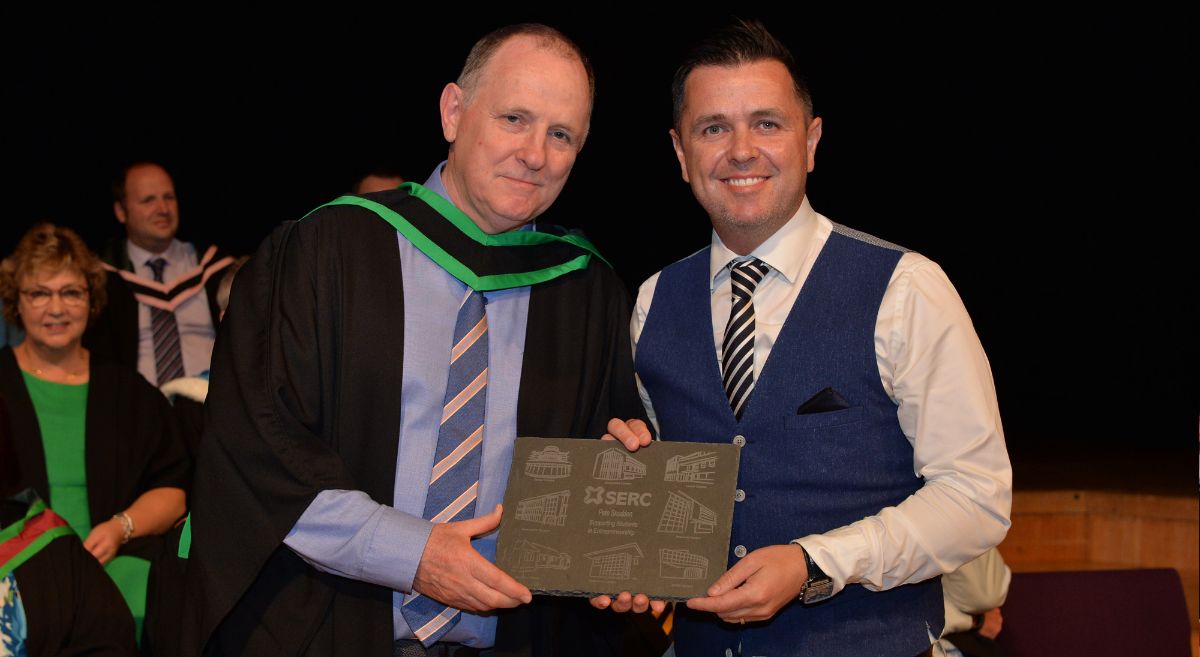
846	368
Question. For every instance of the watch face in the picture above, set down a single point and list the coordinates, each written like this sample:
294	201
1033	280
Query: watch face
818	590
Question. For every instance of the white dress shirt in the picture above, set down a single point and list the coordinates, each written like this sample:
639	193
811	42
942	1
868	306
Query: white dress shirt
978	586
932	366
196	331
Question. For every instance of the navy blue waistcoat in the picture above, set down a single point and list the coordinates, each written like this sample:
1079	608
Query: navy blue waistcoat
801	474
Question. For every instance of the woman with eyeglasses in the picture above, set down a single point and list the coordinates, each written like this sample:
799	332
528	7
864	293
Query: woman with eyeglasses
93	439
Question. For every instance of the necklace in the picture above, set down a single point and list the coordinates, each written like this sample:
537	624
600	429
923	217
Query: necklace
66	374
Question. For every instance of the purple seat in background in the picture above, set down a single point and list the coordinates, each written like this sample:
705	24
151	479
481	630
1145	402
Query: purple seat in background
1096	613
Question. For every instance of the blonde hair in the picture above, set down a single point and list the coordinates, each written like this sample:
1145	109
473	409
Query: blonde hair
56	248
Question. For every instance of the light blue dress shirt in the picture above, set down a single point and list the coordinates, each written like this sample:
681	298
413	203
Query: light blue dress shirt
345	532
194	318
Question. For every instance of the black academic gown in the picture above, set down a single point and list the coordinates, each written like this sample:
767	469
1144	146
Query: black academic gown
132	446
71	605
305	396
113	334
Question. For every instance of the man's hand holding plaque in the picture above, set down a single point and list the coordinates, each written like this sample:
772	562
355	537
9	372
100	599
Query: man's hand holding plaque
634	434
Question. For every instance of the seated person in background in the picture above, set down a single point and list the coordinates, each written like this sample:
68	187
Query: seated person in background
92	438
54	598
378	180
973	595
161	315
187	394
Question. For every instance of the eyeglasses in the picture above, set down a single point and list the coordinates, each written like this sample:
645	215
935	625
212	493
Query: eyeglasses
71	296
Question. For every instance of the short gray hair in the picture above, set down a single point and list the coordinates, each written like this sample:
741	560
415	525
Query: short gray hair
546	36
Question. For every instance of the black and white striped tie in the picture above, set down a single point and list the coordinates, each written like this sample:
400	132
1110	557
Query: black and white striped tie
737	352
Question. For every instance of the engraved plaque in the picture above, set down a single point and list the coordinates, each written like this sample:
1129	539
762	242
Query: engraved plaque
585	517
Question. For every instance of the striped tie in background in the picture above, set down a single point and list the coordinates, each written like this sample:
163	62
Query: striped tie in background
168	356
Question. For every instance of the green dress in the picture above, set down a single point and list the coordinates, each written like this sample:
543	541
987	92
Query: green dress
61	410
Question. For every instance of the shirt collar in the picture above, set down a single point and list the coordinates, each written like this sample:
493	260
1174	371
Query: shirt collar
434	182
138	256
785	251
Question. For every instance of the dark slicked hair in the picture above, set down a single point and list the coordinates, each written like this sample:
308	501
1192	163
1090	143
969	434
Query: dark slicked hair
743	42
546	36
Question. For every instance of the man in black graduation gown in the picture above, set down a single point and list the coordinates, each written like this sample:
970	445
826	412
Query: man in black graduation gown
309	535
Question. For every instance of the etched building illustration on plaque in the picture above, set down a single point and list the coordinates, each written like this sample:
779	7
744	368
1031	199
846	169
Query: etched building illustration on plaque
586	517
548	464
528	556
694	468
681	564
681	511
548	509
614	562
617	465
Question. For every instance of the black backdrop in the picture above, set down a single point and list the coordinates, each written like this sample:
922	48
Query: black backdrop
1043	162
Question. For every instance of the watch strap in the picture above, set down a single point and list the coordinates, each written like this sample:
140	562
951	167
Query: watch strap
818	586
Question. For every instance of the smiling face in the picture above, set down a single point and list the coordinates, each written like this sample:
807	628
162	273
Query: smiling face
149	211
58	324
746	146
515	136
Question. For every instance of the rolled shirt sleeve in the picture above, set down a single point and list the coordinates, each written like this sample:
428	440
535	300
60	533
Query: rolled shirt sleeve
933	366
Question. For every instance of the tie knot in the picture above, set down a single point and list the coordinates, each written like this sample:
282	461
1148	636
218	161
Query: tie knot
157	265
472	315
473	304
748	273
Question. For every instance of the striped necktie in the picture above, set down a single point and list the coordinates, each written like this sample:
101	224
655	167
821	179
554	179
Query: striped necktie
455	479
737	351
168	355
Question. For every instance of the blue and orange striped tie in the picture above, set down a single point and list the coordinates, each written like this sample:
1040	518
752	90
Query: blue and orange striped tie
455	479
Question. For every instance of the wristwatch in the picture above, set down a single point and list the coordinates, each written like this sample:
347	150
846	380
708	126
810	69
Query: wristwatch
818	586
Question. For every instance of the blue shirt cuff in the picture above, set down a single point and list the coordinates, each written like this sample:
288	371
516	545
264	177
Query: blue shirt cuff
346	533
